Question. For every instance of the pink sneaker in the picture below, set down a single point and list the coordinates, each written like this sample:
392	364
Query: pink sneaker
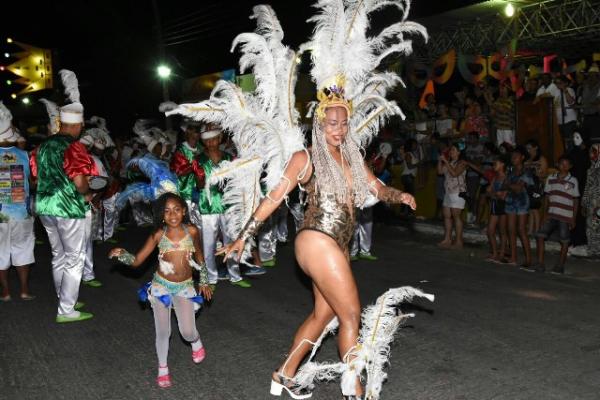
164	381
198	356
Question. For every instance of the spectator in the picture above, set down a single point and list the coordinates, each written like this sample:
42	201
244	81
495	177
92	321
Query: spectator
474	156
444	124
590	105
475	122
490	154
517	205
561	204
591	202
503	114
442	147
430	108
410	162
454	171
531	87
537	167
581	162
565	112
497	192
546	86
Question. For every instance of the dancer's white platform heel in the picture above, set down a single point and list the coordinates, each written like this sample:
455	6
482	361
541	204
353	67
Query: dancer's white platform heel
287	384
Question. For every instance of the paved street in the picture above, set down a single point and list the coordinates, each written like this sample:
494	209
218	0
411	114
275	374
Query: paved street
494	332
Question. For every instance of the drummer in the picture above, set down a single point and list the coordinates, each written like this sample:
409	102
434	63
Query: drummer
63	167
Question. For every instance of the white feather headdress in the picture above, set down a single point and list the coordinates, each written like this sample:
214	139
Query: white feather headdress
263	125
6	132
71	113
340	47
53	115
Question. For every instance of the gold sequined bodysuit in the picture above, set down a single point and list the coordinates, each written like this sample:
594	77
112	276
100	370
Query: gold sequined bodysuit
324	213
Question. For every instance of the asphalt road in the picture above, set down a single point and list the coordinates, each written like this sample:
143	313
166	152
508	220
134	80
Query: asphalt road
494	332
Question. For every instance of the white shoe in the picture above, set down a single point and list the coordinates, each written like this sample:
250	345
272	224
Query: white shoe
277	388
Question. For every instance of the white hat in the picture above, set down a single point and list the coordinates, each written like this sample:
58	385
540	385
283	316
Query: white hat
71	113
53	115
152	144
209	134
6	131
87	140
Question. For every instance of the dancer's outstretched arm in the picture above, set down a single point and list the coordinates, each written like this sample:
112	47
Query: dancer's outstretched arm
389	194
136	260
297	171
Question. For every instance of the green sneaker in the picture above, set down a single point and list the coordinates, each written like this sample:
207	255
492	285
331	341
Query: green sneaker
269	263
121	228
353	258
79	305
92	283
80	316
39	242
243	283
368	257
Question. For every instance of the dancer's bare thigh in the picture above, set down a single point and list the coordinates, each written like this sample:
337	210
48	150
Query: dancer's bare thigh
323	261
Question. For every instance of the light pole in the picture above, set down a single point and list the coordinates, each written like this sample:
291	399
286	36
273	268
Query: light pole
164	72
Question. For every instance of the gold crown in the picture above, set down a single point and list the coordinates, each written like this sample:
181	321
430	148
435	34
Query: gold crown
332	94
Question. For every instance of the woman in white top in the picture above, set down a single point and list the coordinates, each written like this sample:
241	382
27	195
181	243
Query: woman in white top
454	171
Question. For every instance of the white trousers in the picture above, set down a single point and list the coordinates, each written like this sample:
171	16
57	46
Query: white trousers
267	240
68	241
142	213
111	217
363	233
281	227
88	266
195	217
212	225
297	211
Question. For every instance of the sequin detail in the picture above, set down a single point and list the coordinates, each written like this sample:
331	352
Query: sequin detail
324	213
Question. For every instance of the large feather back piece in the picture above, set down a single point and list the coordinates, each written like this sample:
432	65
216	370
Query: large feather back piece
340	46
263	125
69	80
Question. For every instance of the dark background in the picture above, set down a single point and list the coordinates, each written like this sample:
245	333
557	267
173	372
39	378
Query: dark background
112	46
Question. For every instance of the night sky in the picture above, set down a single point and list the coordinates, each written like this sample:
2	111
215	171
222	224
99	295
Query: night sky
112	46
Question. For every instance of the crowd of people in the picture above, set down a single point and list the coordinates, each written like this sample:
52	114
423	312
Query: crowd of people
489	180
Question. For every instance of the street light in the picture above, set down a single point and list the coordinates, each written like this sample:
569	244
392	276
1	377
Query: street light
509	10
9	40
8	82
13	96
163	71
25	100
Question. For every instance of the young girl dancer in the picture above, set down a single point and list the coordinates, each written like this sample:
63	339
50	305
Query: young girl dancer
172	284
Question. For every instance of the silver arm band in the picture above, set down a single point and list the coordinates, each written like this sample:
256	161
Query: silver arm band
251	229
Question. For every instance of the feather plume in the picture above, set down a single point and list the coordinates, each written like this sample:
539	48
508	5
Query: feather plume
53	115
166	106
69	80
5	114
264	124
380	323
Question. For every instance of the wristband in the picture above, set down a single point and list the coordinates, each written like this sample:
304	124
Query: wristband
250	230
126	258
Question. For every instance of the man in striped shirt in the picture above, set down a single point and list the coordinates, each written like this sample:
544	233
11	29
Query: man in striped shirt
560	203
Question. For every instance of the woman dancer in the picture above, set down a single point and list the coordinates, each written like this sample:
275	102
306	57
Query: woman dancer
321	247
266	131
172	285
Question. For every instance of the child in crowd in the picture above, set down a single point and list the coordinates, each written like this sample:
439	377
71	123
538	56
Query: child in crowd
172	285
496	191
517	205
560	204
